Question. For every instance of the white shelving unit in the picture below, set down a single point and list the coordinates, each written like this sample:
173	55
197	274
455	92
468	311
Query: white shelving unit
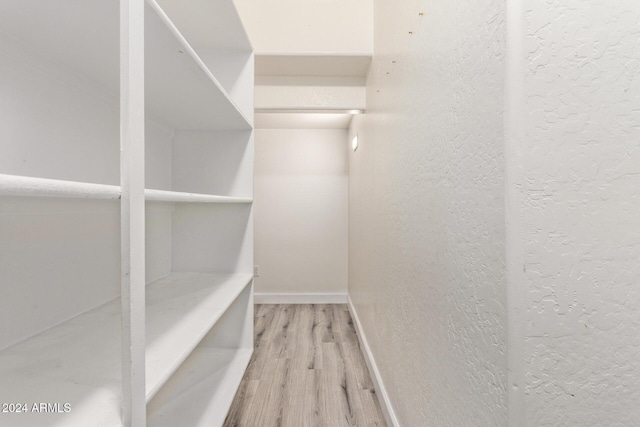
94	326
181	310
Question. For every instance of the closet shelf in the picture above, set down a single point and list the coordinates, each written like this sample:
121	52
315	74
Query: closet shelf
181	309
13	185
209	24
190	95
78	361
180	90
204	393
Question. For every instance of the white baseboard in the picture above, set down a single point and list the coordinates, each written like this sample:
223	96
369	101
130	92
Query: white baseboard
381	392
301	298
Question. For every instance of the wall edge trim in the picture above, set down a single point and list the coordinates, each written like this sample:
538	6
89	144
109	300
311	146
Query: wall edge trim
299	298
381	391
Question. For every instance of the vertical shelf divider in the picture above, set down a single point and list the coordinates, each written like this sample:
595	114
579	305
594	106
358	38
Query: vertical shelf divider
132	131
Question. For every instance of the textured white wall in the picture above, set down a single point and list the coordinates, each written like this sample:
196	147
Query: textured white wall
426	197
300	203
577	216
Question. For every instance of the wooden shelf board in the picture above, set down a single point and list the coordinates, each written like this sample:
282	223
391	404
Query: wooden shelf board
181	309
178	90
78	362
201	392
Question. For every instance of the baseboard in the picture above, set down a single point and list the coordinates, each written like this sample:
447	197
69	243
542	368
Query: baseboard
381	392
299	298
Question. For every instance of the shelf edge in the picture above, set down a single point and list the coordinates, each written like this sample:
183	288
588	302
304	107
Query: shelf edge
26	186
14	185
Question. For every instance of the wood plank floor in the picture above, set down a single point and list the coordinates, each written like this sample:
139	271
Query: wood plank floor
307	370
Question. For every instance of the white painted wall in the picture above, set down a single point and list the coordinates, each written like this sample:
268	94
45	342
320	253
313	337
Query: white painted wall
297	26
77	120
158	168
211	237
300	203
426	215
574	172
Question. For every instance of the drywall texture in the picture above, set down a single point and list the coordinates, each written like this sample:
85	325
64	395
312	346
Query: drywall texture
426	237
580	214
300	203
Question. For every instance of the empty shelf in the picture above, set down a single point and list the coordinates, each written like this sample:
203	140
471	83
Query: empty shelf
201	392
179	89
76	363
209	24
181	309
79	361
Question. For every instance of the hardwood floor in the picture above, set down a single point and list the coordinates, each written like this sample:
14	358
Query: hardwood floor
307	370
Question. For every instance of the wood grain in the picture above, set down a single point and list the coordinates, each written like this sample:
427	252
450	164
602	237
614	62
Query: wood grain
307	371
